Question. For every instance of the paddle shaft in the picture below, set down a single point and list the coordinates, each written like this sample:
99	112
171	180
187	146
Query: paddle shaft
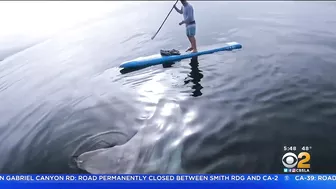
164	20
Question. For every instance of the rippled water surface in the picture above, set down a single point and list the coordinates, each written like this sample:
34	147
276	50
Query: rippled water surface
67	107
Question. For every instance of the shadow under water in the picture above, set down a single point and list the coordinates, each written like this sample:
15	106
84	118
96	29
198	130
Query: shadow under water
128	70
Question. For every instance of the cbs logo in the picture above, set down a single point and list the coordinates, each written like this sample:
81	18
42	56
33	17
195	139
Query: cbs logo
290	160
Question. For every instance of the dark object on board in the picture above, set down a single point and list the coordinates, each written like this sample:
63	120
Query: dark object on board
169	52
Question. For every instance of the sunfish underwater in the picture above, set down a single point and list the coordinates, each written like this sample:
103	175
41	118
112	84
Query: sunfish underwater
156	148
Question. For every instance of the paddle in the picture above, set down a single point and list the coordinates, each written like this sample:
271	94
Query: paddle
164	20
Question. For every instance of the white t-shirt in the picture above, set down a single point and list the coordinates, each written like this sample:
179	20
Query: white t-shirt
188	14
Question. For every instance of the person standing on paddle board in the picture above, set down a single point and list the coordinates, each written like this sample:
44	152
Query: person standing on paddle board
188	14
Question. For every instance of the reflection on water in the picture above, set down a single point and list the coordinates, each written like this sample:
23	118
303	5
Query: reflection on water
195	76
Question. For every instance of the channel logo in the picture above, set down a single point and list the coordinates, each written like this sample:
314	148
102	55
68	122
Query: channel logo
296	163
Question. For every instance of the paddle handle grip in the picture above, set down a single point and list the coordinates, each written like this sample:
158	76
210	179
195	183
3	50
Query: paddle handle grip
164	20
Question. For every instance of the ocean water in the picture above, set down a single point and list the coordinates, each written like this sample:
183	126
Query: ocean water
66	107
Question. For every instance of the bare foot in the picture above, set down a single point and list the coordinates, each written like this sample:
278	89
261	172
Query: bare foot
190	49
194	51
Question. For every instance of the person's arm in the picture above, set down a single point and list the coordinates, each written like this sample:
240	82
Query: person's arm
178	10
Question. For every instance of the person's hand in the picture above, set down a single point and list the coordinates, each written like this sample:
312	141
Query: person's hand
181	23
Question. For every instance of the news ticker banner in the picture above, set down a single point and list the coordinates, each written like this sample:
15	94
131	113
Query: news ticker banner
175	181
169	178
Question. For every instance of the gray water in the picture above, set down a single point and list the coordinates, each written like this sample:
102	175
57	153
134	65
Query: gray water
66	107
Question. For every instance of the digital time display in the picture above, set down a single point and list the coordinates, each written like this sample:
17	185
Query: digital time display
289	148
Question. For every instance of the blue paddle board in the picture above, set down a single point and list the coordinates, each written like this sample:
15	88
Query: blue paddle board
158	59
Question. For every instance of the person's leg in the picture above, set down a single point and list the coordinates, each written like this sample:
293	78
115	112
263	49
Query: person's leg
193	43
191	37
188	32
191	47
